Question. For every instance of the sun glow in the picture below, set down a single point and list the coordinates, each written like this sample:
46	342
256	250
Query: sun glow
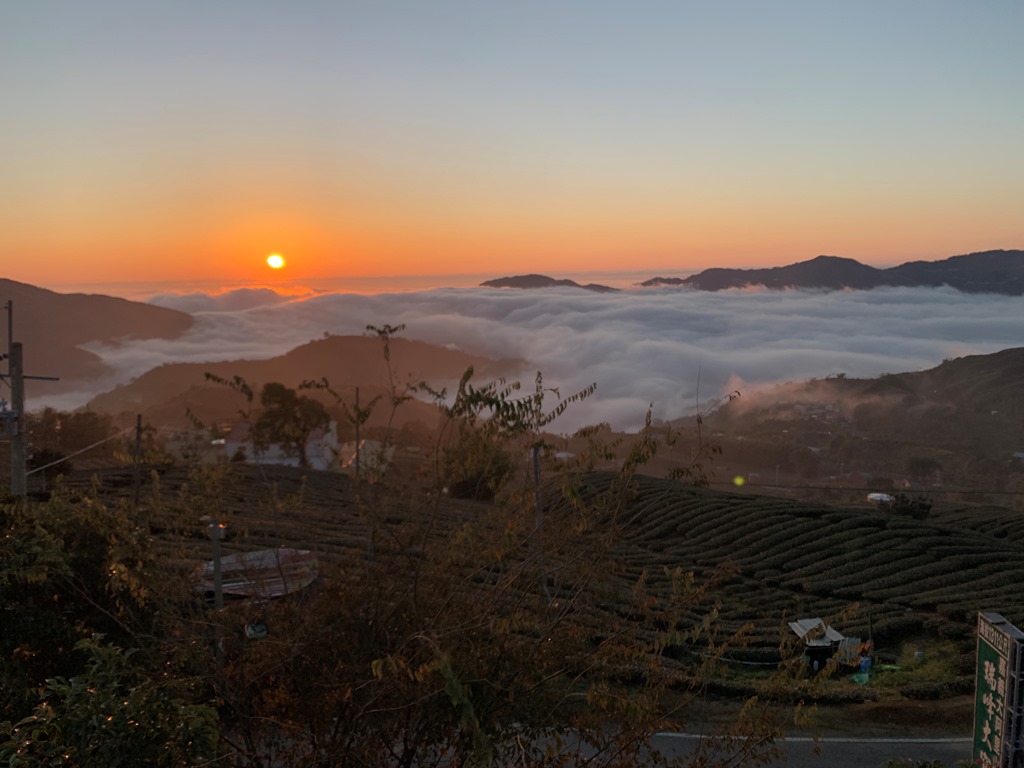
275	261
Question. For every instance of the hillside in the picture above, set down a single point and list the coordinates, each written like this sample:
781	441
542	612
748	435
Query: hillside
165	394
904	582
54	326
956	425
999	271
911	577
621	605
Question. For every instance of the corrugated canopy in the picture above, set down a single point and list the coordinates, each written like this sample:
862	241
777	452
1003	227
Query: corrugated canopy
815	632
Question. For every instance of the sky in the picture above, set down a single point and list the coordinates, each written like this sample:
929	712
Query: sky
179	141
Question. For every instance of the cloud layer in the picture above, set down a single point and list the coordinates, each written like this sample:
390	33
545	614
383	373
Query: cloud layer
667	347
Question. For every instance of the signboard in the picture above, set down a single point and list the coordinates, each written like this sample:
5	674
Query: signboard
998	693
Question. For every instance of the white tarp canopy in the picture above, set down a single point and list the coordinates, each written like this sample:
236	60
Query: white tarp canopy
815	632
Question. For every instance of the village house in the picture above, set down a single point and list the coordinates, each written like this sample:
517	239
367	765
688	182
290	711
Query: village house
321	448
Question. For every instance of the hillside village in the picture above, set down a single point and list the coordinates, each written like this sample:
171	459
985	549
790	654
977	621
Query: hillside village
951	434
953	428
323	450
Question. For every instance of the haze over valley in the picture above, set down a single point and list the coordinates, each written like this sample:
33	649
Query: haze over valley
863	386
668	348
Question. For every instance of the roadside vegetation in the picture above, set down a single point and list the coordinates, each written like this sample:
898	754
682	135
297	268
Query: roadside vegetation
492	602
475	611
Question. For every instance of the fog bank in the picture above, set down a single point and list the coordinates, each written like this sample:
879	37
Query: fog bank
666	347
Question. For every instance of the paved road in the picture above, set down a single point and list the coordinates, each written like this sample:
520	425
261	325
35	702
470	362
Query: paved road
840	752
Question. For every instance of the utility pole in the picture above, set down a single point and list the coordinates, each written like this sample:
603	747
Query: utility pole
16	371
15	417
137	475
9	306
11	417
358	419
216	530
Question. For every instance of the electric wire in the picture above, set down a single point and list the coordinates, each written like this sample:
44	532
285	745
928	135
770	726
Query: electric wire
80	451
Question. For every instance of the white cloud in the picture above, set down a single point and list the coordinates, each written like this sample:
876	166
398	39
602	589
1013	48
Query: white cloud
237	299
641	346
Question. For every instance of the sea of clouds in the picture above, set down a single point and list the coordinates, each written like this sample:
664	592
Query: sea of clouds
667	348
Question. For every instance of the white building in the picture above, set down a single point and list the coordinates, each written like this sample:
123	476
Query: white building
321	448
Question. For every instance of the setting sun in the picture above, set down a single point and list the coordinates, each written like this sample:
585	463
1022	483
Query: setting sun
275	261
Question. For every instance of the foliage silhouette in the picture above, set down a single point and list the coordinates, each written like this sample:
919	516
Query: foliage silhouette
466	637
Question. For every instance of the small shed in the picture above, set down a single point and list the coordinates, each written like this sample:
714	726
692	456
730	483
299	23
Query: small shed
820	640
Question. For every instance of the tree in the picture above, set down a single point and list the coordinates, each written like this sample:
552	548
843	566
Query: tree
918	507
465	638
93	673
111	715
469	634
68	568
923	469
288	419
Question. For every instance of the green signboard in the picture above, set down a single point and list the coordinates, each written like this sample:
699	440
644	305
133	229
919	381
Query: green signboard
997	705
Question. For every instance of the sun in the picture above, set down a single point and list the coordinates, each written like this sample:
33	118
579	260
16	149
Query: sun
275	261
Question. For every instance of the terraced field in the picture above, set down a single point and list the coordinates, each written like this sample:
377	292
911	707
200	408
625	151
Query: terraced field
866	571
795	559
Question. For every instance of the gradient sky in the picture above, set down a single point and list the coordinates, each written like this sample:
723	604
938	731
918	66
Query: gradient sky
181	140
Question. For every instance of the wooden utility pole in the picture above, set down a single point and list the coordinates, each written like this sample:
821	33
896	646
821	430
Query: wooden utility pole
17	375
137	475
215	531
15	418
9	306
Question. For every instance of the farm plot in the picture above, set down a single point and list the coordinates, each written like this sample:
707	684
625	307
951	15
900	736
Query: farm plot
791	559
766	560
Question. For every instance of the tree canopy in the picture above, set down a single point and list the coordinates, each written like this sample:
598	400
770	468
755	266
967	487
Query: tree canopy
288	419
466	634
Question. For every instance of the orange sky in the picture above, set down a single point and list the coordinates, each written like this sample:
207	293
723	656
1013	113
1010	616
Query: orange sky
162	143
83	244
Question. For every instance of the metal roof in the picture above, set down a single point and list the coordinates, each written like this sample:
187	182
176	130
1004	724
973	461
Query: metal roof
815	632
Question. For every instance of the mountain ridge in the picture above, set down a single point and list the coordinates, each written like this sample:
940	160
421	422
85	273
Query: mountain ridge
994	271
52	327
543	281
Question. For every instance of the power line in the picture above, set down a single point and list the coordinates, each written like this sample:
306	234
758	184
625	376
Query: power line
80	451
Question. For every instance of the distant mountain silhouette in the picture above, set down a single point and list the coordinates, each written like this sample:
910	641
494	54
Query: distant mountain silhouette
53	326
543	281
985	272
